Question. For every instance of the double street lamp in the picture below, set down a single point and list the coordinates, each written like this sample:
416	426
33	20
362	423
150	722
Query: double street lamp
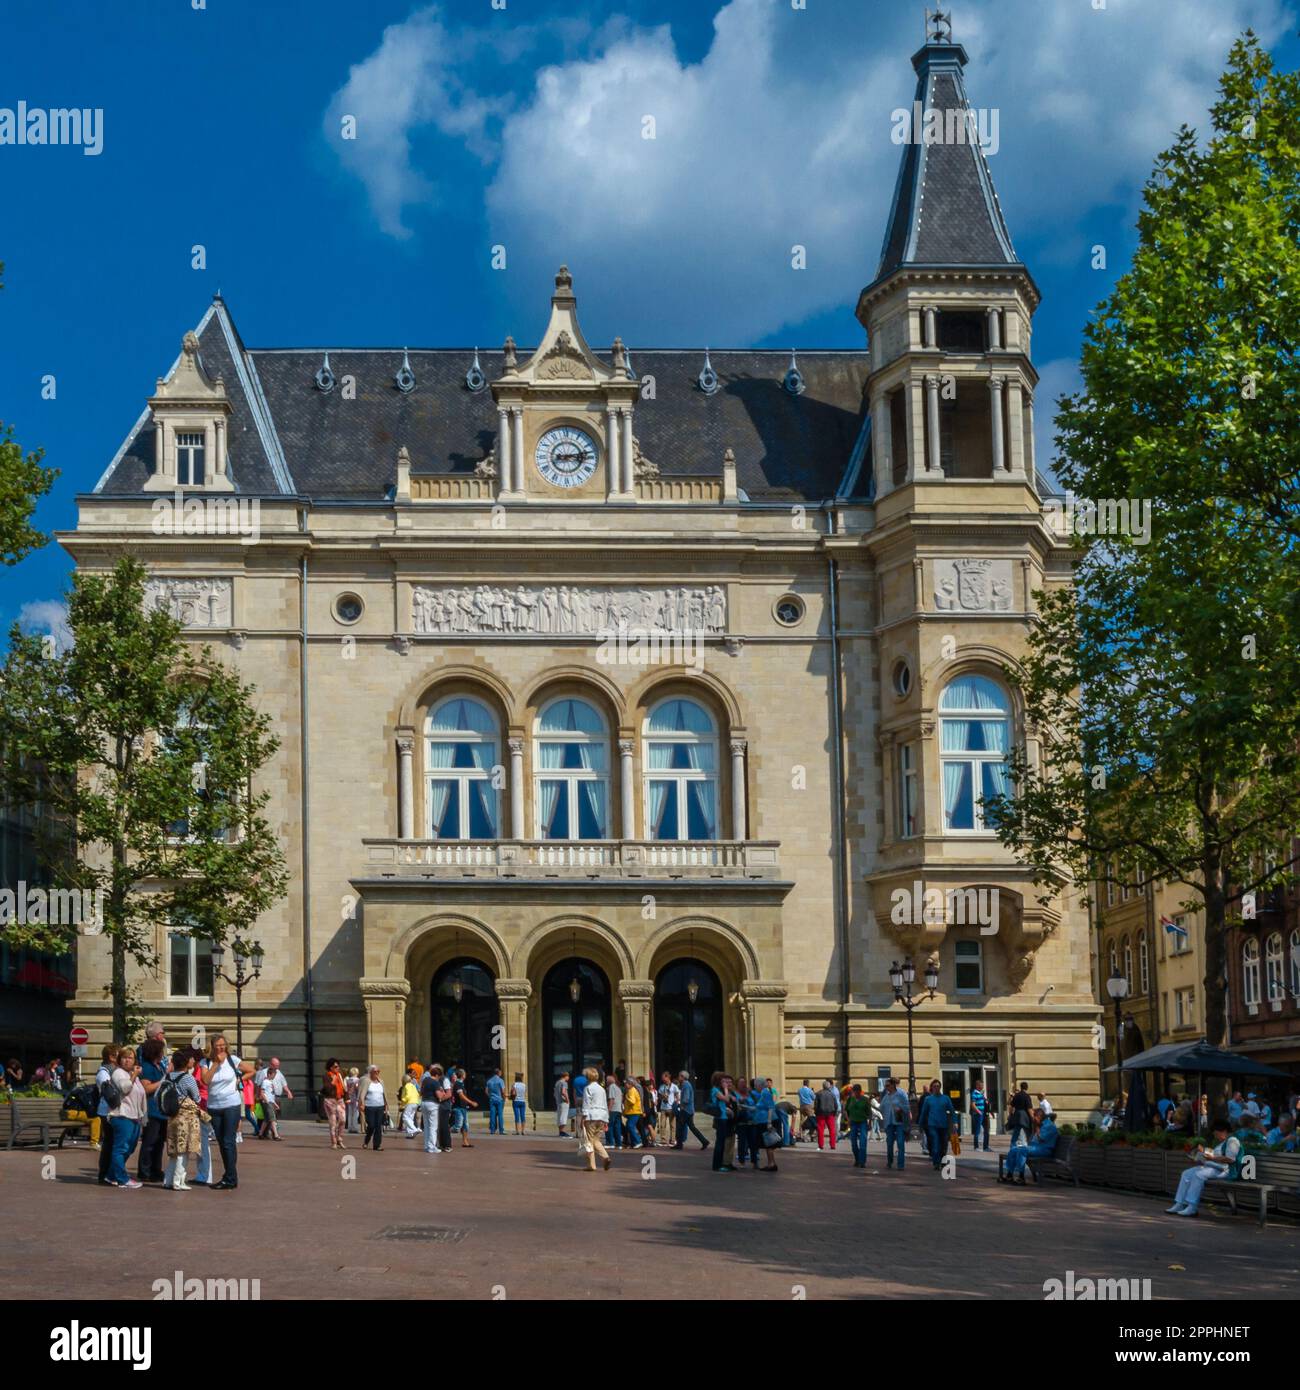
245	953
903	977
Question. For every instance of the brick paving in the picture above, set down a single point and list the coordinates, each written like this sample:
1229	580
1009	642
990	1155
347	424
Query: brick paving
519	1215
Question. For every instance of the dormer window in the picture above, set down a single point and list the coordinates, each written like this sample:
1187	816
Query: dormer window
189	460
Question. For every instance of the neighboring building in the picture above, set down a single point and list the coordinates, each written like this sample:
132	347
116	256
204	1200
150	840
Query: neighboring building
498	821
35	986
1263	955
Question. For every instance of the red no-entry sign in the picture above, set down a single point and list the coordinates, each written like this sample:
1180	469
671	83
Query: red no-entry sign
78	1037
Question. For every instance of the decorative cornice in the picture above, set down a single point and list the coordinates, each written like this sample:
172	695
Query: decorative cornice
764	989
384	988
631	990
513	989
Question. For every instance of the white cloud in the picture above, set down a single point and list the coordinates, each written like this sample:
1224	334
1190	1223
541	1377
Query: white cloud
778	136
42	617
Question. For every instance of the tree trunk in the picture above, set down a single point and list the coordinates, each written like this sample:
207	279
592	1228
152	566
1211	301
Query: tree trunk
1216	1010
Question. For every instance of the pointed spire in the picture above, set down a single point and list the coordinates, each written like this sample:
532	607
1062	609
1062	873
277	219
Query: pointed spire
945	210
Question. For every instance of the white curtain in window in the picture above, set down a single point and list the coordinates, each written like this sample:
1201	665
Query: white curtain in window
439	795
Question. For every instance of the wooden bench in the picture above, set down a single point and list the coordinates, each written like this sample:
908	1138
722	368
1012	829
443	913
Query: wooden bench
41	1114
1277	1176
1059	1164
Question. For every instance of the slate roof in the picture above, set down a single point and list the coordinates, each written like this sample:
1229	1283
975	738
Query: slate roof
945	210
288	437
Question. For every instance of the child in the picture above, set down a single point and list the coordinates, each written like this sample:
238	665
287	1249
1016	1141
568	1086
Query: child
183	1129
409	1099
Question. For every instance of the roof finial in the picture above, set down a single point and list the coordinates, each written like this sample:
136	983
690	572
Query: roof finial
509	354
564	281
938	26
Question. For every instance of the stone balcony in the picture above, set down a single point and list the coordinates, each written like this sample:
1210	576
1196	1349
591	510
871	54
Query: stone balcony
572	859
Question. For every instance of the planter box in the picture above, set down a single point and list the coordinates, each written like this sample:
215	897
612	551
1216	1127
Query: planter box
1177	1162
1119	1165
1091	1159
1149	1170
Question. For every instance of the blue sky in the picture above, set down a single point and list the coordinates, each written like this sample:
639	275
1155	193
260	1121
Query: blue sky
522	126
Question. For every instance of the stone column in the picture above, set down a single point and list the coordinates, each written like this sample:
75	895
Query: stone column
882	448
517	445
385	1005
763	1002
628	452
995	330
1015	428
738	818
996	384
932	423
405	786
628	789
636	997
613	465
512	1056
219	448
505	465
931	335
517	789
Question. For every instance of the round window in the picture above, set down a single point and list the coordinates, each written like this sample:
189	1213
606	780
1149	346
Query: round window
348	608
902	678
789	610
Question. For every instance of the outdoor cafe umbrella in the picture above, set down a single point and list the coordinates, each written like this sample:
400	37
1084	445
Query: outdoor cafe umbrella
1197	1059
1136	1109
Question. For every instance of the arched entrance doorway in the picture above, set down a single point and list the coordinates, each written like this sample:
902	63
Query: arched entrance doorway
575	1021
688	1006
464	1014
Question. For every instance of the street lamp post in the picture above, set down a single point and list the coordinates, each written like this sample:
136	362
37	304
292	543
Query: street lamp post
1117	988
244	951
903	977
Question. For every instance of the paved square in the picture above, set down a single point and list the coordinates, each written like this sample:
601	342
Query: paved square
520	1217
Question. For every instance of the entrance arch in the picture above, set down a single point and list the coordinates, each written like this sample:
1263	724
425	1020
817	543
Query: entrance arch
688	1021
577	1020
462	1030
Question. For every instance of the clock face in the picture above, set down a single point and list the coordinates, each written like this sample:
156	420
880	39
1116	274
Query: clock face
566	457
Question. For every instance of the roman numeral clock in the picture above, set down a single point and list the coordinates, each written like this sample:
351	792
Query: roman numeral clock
565	456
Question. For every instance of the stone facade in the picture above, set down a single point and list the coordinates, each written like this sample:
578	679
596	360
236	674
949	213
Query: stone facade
802	641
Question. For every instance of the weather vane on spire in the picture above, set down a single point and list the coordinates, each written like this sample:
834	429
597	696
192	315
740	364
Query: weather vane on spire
938	26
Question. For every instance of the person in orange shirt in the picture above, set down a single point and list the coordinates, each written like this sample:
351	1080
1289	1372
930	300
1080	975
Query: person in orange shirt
331	1099
417	1067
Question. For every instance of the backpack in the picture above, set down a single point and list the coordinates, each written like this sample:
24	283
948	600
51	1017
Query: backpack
110	1093
168	1097
84	1098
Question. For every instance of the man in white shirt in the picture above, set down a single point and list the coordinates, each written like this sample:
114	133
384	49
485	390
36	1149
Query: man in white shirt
670	1096
595	1116
1044	1104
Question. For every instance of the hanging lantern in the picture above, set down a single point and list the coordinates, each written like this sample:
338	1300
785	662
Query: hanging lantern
458	988
692	989
575	989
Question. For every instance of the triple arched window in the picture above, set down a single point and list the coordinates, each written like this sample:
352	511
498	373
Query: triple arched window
571	772
974	739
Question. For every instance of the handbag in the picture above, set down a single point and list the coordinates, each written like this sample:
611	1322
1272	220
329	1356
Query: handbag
954	1142
388	1120
771	1137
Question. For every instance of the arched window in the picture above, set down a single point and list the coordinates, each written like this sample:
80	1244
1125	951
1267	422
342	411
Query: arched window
1294	971
1273	976
1250	973
681	777
974	734
1144	964
1113	959
1128	961
572	773
460	753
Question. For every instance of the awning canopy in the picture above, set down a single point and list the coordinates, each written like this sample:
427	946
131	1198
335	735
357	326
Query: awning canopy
1198	1057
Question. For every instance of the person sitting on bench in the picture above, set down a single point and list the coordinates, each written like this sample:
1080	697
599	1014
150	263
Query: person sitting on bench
1043	1146
1223	1161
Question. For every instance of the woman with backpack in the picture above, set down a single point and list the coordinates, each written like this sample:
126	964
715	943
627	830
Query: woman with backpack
332	1102
104	1078
224	1077
183	1127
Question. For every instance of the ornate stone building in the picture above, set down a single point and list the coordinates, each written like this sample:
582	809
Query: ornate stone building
632	702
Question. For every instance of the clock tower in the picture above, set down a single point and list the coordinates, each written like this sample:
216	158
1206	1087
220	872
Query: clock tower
564	418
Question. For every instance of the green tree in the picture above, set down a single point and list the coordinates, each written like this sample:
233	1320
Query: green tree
151	751
23	482
1165	686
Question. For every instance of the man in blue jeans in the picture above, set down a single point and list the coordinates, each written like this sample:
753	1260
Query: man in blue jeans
937	1118
979	1117
496	1094
896	1113
686	1113
1042	1146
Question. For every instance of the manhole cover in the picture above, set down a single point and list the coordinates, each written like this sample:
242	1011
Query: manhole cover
440	1233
